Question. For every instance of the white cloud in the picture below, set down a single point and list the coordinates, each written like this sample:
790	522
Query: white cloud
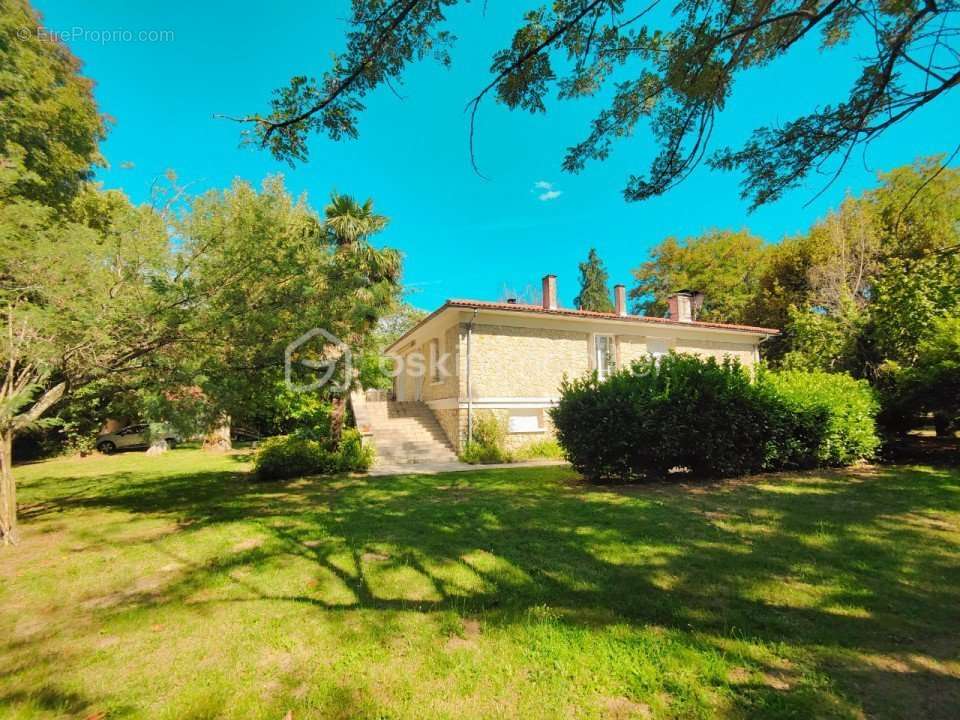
549	193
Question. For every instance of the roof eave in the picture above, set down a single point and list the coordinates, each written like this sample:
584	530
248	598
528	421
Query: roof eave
578	315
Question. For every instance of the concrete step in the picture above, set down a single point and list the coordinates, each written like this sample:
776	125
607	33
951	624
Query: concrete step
415	461
411	445
403	424
407	433
415	457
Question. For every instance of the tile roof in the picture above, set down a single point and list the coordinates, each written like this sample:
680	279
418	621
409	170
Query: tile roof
585	314
566	312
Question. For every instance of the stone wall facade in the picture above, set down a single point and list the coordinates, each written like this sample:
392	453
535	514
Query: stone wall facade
443	351
517	364
454	427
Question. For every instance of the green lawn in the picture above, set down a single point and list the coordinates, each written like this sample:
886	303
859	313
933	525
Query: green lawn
173	587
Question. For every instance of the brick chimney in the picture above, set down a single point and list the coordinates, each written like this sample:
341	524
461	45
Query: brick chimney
620	299
550	292
681	306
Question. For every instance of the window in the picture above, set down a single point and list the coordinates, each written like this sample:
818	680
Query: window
525	421
435	361
605	360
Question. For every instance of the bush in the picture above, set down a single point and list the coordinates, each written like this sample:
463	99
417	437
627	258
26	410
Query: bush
540	450
707	418
486	445
354	456
833	417
291	456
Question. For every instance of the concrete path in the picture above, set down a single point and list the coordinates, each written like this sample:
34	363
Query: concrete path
435	468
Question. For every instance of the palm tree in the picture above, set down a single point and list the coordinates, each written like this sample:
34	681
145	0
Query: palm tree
350	222
372	276
349	227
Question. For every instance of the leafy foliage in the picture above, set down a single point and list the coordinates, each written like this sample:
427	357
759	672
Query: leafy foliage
723	265
843	410
486	444
878	273
674	71
291	456
931	384
50	129
707	417
247	301
594	293
540	450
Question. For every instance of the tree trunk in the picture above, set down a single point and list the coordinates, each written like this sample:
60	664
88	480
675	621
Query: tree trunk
8	486
8	491
942	424
218	438
336	419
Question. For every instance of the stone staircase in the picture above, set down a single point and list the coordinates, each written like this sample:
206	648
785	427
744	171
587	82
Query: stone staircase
407	433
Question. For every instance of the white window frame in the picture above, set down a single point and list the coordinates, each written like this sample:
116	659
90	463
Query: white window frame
604	373
525	421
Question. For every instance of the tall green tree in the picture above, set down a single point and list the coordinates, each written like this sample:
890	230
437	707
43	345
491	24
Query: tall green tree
74	304
366	277
878	272
116	299
670	68
830	285
50	128
932	383
724	265
252	264
263	269
77	303
594	293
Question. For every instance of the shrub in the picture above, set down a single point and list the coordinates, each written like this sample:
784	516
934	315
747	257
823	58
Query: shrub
833	416
678	412
291	456
708	418
487	443
354	456
540	450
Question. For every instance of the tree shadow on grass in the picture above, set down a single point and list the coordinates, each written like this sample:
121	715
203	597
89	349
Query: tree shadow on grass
837	565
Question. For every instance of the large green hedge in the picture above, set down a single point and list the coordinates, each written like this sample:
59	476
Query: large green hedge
684	413
845	409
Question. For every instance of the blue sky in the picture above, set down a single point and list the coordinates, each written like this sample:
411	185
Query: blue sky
462	236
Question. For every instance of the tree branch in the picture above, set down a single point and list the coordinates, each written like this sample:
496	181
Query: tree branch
341	85
557	32
46	401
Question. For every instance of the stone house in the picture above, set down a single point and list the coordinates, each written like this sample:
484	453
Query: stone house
470	357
